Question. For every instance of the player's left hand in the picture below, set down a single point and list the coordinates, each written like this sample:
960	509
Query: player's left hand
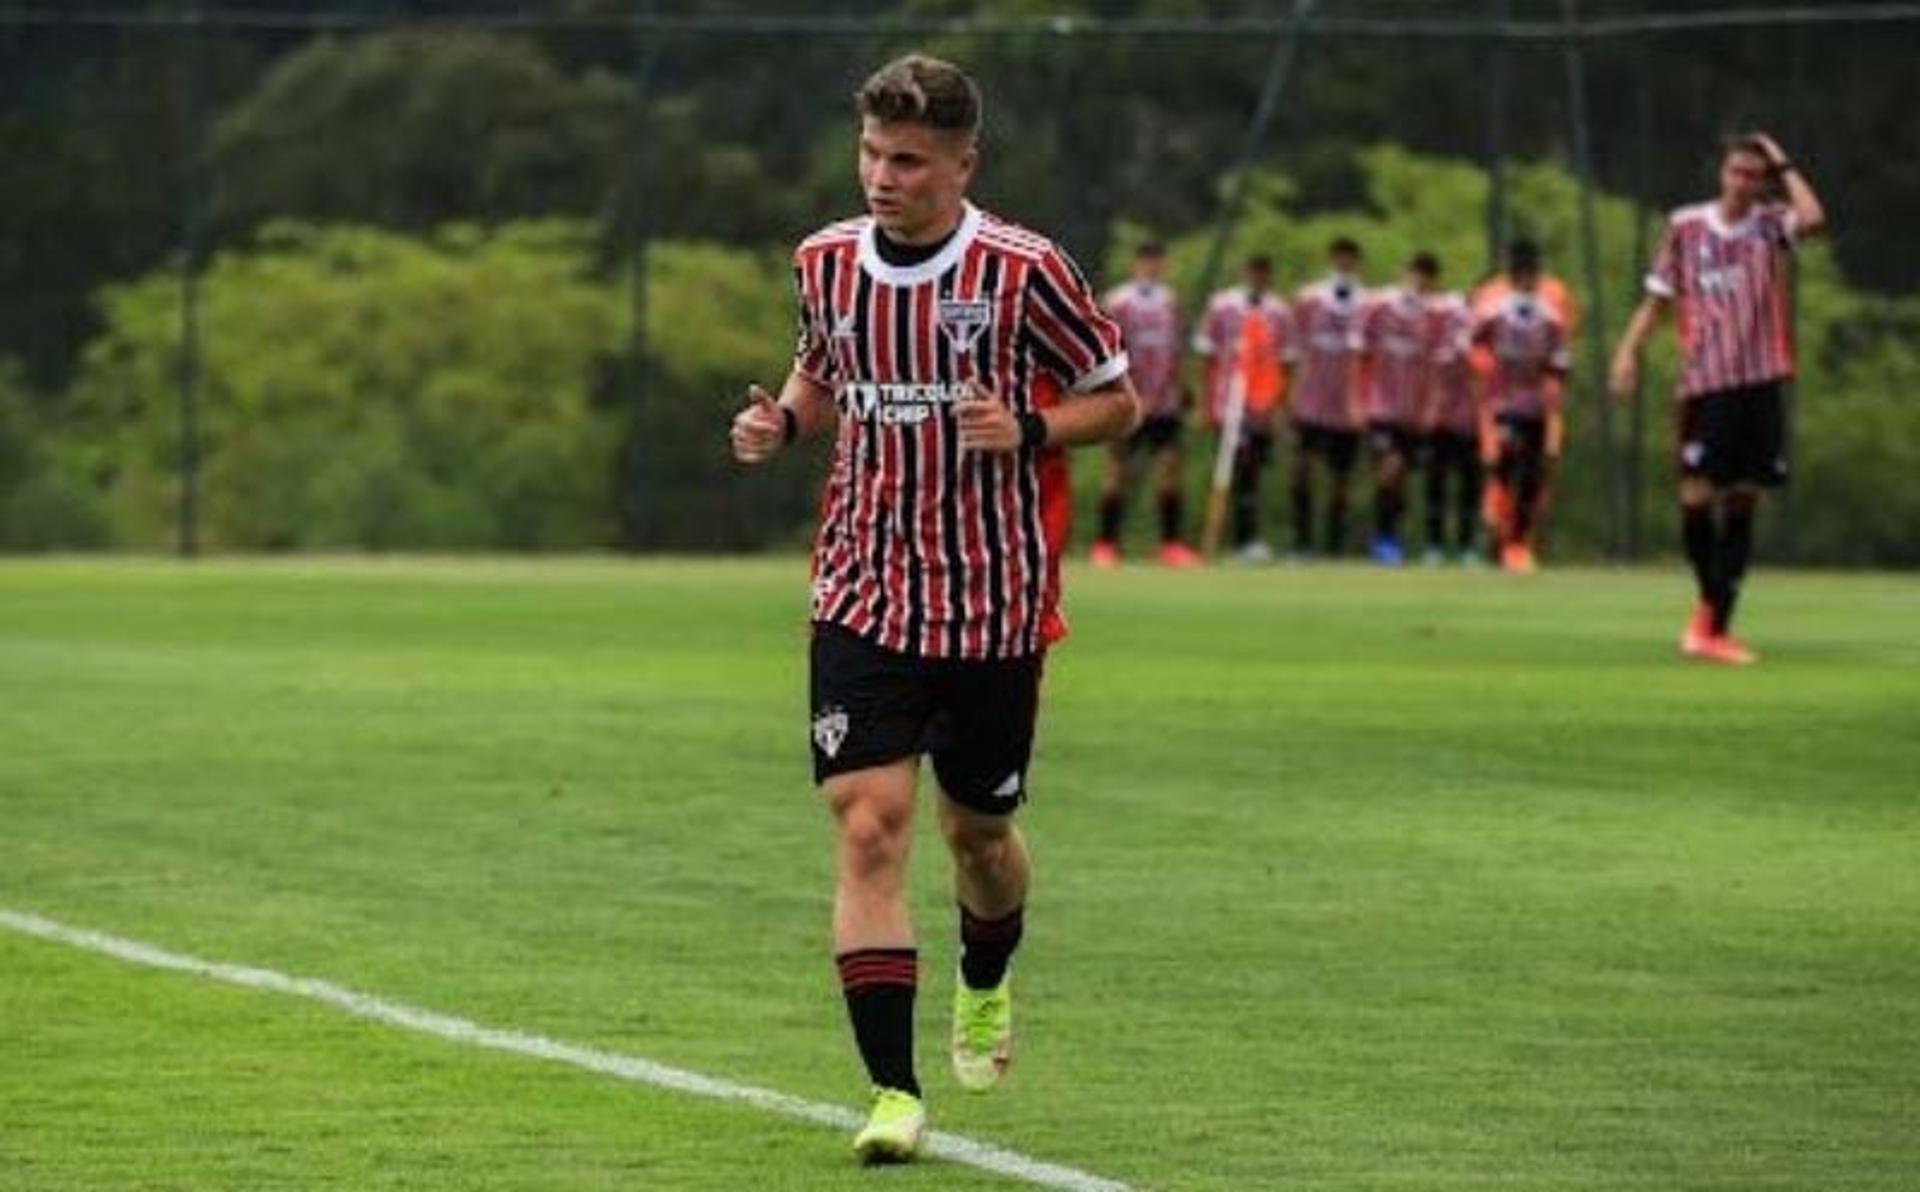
987	424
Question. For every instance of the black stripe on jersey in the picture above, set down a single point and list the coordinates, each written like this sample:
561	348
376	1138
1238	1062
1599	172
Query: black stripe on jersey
986	469
908	440
1028	479
871	461
952	547
987	341
1064	312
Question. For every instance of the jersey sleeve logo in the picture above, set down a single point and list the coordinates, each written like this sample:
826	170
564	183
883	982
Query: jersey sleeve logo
963	319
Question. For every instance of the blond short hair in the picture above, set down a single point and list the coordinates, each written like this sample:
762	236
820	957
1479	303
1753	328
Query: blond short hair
920	89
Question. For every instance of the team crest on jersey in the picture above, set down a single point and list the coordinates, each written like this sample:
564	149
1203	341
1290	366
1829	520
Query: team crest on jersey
830	730
963	319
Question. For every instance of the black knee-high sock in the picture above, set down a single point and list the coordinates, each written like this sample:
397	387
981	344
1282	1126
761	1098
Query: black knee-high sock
987	945
1703	550
1435	483
879	986
1736	549
1112	506
1467	511
1246	497
1337	516
1300	498
1172	513
1386	511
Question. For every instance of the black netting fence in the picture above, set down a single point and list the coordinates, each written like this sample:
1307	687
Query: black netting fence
492	276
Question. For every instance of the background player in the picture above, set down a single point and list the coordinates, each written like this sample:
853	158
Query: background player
1723	266
1451	425
941	341
1326	407
1527	360
1246	339
1147	311
1399	341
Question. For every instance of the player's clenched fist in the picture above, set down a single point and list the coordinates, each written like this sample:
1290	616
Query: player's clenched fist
987	424
759	430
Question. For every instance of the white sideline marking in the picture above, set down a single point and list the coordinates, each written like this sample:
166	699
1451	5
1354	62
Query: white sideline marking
625	1067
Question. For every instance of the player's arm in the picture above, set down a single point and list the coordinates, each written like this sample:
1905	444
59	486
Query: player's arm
766	426
1624	376
1108	411
1809	216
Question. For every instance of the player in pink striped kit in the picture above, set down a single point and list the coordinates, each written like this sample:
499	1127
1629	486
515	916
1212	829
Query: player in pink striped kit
1327	318
1399	335
1723	266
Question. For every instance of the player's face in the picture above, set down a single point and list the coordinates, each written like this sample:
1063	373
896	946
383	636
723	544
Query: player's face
1150	268
1743	178
1345	262
1418	282
914	177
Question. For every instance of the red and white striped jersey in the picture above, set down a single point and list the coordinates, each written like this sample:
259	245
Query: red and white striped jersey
1149	318
1219	339
1329	317
1453	407
921	549
1728	284
1398	334
1528	344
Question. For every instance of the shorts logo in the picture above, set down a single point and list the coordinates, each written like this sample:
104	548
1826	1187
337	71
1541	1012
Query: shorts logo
1009	789
1693	453
830	730
963	319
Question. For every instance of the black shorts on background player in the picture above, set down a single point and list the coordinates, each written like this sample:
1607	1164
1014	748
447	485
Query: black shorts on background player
1156	433
1392	438
973	717
1337	447
1735	437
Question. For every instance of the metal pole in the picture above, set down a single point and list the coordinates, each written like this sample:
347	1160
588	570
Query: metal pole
639	198
187	62
1278	68
1637	413
1497	216
1596	332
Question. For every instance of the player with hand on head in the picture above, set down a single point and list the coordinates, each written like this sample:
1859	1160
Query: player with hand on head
1147	311
1527	359
952	356
1723	266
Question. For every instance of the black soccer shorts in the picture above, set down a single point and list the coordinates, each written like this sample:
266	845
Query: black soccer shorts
1735	437
973	717
1337	447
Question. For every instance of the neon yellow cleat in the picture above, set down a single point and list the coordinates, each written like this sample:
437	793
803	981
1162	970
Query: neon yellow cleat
982	1033
893	1129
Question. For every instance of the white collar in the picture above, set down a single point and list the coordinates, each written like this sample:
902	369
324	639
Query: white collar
1717	220
927	270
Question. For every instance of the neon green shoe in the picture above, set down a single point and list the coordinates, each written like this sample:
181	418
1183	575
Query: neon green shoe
982	1033
893	1129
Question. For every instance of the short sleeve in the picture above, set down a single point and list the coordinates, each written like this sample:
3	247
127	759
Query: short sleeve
1663	276
1081	344
1784	223
811	358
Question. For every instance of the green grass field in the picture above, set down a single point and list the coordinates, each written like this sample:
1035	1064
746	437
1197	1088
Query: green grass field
1345	881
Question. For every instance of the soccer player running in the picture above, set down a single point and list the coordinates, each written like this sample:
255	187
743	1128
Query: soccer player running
1723	266
1527	362
1246	338
1399	341
1327	316
1146	309
952	355
1450	423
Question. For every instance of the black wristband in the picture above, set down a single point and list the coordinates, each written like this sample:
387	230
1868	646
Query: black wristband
1033	431
789	425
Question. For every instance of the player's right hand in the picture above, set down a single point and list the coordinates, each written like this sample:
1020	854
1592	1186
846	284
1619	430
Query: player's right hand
760	430
1624	377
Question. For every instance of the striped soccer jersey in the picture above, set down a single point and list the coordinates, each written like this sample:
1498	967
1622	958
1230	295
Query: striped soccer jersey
1728	284
1398	332
1528	344
1453	407
1328	317
1221	340
923	550
1149	322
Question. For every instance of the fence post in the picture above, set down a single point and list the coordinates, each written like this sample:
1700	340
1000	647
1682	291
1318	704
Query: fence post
1596	331
188	60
